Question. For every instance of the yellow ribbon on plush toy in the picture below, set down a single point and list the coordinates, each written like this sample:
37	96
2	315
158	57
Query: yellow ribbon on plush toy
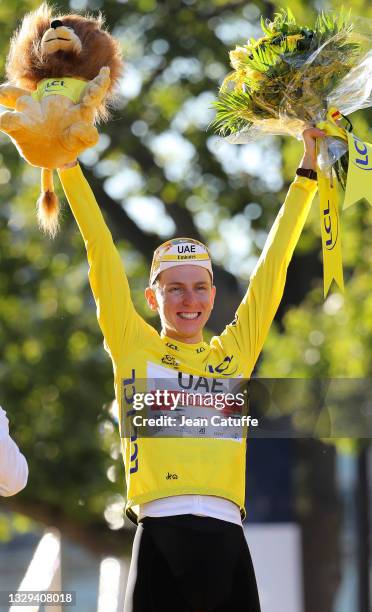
358	185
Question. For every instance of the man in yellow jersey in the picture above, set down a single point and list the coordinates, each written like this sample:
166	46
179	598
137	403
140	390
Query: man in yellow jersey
186	493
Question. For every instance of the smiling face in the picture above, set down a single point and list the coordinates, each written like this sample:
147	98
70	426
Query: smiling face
184	297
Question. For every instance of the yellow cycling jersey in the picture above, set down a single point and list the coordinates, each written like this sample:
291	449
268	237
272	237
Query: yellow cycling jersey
65	86
162	467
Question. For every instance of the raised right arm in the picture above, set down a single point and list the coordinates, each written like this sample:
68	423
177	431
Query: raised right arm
121	325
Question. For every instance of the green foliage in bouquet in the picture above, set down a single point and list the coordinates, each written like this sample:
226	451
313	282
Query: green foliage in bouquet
287	74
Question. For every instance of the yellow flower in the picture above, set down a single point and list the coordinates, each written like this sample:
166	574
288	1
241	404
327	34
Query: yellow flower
238	56
255	75
233	80
292	41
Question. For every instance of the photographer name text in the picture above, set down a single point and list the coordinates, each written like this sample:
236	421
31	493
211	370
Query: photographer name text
183	421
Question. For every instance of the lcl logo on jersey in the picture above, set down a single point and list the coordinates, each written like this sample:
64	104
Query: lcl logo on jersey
55	83
174	347
54	86
224	368
330	226
129	390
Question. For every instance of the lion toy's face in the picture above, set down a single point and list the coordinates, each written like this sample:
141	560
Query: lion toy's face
60	37
48	45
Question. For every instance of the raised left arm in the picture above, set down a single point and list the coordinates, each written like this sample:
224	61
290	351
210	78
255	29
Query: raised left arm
247	333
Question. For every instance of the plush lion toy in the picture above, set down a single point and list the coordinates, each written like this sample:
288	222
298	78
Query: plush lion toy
61	73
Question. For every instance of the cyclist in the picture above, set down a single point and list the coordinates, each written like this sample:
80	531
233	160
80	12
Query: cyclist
186	494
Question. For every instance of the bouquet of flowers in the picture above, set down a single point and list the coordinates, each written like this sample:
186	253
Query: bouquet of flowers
288	79
298	76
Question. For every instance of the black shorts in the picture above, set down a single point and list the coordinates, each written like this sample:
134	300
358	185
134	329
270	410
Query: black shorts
190	563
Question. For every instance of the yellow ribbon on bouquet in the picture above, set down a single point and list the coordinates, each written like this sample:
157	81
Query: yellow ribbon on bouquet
358	185
359	176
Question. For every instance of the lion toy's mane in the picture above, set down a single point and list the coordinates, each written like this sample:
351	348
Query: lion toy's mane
26	65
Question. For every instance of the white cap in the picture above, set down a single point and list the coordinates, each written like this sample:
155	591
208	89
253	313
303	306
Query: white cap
177	252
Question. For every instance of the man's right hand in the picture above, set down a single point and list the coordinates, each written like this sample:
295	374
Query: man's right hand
309	137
